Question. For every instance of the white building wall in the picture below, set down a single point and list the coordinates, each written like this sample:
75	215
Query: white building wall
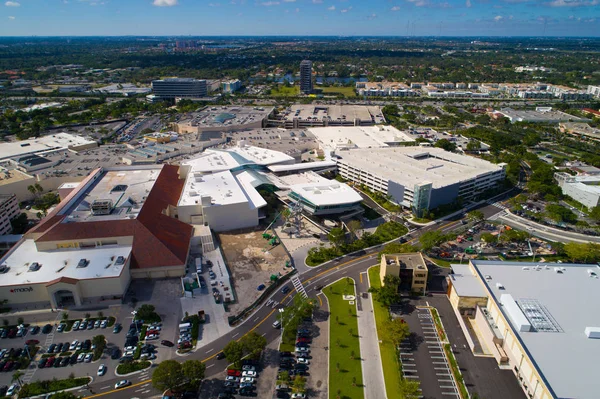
230	217
587	198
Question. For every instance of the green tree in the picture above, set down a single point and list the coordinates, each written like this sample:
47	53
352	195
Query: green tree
167	375
445	144
234	351
254	344
395	331
65	316
388	293
559	213
299	384
431	239
397	248
16	377
595	214
583	252
473	145
193	370
489	238
337	236
147	313
476	216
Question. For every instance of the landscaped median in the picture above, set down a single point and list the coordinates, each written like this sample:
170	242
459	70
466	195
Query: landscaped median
345	370
395	386
132	367
46	386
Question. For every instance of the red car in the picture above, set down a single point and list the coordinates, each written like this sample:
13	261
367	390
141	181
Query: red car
7	366
235	373
50	362
32	342
303	340
148	332
185	345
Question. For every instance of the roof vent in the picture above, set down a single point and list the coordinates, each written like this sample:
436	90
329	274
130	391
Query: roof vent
592	273
592	332
83	262
499	286
120	260
558	270
34	267
525	268
488	277
4	269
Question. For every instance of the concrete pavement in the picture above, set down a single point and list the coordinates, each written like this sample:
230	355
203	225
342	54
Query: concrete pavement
369	346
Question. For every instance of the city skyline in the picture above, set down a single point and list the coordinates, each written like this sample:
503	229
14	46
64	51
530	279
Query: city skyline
301	17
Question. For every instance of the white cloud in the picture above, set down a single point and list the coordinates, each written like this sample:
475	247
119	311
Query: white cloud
165	3
332	8
572	3
372	16
468	3
289	1
297	9
269	3
214	4
345	10
498	18
11	17
317	1
12	4
395	8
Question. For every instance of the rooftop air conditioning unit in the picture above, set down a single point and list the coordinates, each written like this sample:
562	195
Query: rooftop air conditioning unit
34	267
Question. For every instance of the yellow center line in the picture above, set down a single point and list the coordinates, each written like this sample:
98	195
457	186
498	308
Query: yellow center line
137	384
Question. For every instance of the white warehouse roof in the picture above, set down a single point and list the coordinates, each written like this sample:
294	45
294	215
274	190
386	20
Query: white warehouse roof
335	137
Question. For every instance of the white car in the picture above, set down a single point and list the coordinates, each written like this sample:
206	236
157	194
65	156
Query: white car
249	374
88	357
80	357
73	345
104	323
248	380
302	349
14	388
248	367
122	384
232	378
302	360
298	396
151	336
101	370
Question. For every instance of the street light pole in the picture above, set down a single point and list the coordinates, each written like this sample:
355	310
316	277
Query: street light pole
134	313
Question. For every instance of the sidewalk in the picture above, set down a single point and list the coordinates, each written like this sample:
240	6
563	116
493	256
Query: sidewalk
369	352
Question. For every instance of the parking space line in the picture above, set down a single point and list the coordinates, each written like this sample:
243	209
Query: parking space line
412	376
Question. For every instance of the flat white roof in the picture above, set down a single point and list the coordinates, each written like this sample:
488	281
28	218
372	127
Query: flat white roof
564	302
413	165
320	191
260	156
212	161
126	189
465	282
219	160
222	187
248	181
61	263
301	166
54	142
334	137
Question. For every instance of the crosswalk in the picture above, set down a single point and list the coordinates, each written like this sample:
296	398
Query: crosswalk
298	286
498	204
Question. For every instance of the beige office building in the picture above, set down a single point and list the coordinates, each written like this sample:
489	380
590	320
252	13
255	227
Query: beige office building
410	267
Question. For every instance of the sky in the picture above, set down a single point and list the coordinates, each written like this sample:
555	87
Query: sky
300	17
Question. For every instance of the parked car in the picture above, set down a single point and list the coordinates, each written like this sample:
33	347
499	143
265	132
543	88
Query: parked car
97	324
249	380
13	389
73	345
151	337
47	329
80	357
302	360
32	342
167	343
102	370
61	327
88	357
235	373
276	324
302	349
249	374
115	354
103	323
117	328
35	330
248	367
76	325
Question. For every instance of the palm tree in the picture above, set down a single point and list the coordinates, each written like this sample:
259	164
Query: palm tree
65	316
17	377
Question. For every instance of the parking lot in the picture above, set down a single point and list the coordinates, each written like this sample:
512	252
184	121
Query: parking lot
422	356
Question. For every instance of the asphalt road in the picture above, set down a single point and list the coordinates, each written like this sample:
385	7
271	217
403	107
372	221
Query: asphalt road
260	321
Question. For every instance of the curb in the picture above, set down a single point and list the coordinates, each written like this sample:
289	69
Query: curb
135	372
63	390
376	333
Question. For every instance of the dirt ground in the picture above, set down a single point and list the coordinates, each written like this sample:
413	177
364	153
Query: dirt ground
252	261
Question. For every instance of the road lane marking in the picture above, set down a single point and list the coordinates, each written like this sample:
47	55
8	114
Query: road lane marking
210	350
235	335
210	365
106	387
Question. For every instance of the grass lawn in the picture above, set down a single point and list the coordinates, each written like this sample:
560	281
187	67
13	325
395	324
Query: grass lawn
285	91
345	373
389	360
346	91
288	343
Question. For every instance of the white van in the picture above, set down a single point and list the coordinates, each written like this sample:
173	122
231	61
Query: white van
276	324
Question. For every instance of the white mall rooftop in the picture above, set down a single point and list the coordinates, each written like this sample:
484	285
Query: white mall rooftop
414	165
569	294
222	187
44	144
62	263
335	137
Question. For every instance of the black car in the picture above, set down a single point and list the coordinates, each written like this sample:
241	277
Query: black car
285	290
34	330
230	390
301	367
65	361
246	392
230	384
285	367
4	334
73	359
249	362
87	345
57	362
47	329
283	395
132	332
41	363
167	343
51	348
220	356
3	390
115	354
285	354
